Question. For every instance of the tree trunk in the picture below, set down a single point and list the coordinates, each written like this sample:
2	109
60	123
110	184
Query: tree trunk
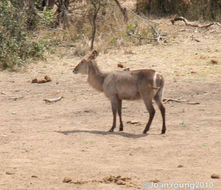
50	4
94	25
31	15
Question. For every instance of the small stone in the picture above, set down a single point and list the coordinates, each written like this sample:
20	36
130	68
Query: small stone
193	72
120	182
180	166
9	173
155	181
213	61
42	81
133	122
47	78
120	65
215	176
34	80
67	180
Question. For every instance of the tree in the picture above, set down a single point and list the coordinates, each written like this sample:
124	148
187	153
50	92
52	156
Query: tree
62	13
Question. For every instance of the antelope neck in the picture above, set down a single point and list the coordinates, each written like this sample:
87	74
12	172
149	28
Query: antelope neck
96	77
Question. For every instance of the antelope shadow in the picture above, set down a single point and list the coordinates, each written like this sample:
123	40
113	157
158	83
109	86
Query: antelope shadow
96	132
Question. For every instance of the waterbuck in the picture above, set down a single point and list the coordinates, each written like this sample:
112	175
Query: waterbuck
125	85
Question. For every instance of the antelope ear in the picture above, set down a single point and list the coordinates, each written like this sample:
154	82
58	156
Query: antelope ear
93	55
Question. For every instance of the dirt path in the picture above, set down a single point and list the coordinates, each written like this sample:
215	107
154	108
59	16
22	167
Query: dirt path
41	144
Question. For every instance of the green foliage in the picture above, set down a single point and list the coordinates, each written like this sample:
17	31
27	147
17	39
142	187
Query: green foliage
15	44
48	18
131	28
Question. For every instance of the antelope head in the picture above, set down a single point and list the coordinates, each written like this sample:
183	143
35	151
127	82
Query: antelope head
83	66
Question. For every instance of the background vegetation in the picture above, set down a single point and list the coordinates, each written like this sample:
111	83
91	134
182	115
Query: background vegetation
191	9
16	38
28	28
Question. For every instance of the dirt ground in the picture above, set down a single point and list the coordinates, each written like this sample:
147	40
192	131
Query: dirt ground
43	144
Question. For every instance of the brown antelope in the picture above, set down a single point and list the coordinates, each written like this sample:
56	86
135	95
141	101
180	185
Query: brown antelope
125	85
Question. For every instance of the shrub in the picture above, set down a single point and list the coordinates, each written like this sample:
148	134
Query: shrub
15	44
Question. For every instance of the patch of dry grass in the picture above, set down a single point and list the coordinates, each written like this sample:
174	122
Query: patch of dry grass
112	31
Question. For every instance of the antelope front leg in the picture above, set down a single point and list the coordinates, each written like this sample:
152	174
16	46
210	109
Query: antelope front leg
114	105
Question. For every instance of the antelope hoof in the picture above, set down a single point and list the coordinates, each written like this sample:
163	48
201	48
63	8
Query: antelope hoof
163	131
144	132
111	130
121	128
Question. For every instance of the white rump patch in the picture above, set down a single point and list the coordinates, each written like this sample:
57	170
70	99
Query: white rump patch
155	80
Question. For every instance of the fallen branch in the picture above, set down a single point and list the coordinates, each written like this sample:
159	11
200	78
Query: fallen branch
16	98
192	24
157	34
133	122
165	100
140	37
52	100
10	97
118	180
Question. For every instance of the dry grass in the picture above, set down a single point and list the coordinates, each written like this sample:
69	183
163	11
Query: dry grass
191	9
112	31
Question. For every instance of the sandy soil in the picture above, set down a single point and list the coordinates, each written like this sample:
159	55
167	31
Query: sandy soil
41	144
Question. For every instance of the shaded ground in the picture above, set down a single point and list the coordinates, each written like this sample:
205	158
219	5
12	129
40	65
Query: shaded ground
41	144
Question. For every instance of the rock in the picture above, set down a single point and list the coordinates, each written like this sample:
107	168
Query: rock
120	65
120	182
213	61
127	69
67	180
44	80
215	176
41	81
133	122
34	80
155	181
9	173
203	57
180	166
193	72
47	78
